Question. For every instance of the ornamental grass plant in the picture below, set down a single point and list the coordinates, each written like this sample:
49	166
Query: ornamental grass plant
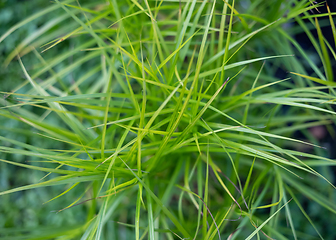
171	119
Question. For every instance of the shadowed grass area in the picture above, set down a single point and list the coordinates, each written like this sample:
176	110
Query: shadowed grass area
168	120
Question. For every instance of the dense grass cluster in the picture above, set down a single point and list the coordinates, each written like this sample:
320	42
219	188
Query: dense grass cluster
171	119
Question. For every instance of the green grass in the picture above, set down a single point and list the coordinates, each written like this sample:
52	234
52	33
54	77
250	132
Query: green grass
167	120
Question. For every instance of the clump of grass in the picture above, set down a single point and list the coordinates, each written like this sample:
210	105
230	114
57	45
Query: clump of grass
172	119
